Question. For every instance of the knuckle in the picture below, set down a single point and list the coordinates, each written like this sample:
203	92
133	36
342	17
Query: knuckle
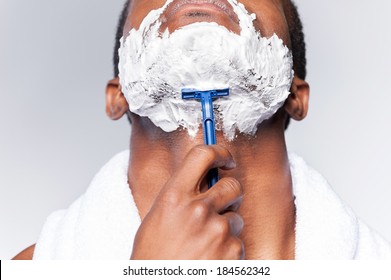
222	228
199	210
172	198
231	184
204	153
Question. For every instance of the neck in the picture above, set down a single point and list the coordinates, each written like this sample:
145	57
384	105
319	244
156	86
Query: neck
262	168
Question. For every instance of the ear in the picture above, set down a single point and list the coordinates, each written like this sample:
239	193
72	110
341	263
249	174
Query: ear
297	103
116	104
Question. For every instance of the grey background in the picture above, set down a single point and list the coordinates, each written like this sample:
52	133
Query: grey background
55	59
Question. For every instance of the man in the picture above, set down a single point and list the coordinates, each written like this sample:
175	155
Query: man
261	207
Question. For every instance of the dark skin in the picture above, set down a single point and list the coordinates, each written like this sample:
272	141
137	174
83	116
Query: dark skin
250	213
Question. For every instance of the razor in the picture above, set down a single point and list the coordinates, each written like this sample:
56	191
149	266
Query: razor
208	120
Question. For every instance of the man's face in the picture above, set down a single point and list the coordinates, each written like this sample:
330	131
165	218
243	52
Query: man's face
270	15
255	64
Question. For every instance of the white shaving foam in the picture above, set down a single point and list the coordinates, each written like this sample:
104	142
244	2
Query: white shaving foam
155	66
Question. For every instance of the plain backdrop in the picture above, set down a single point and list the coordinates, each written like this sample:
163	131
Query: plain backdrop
55	59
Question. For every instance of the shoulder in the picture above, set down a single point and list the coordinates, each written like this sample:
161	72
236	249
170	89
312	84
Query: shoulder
26	254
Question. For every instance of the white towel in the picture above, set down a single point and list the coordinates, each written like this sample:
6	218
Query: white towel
102	223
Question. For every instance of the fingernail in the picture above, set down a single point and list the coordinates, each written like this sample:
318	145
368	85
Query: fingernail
231	164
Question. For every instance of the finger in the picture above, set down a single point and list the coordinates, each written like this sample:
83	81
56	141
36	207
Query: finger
197	163
235	222
235	250
227	193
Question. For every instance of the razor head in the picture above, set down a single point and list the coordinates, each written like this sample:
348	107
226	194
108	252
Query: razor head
190	93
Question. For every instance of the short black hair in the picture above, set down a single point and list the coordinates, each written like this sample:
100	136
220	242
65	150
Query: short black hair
118	35
295	32
296	35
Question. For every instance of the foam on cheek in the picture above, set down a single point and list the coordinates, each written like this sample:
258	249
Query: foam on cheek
154	67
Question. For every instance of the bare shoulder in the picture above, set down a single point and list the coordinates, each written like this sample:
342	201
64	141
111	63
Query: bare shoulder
26	254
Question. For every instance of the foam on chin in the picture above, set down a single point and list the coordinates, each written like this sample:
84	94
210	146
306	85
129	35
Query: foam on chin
154	67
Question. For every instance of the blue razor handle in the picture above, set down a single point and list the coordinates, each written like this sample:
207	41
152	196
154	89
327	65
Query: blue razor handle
208	121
